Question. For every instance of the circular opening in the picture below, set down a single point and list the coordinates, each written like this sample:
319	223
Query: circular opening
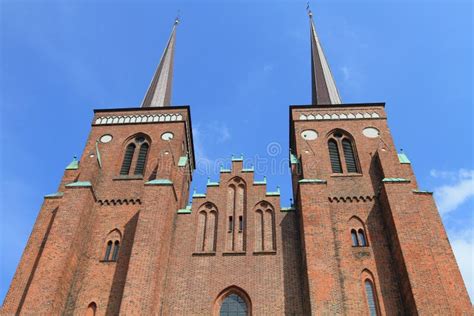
167	136
309	134
105	138
371	132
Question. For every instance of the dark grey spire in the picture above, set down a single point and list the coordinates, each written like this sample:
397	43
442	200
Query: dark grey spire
324	90
159	91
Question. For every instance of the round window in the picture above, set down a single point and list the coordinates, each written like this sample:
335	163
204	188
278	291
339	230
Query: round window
309	134
105	138
371	132
167	136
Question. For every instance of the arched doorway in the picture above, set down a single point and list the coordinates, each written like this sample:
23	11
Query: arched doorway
233	301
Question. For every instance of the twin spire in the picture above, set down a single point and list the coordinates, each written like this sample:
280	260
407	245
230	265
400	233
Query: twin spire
324	91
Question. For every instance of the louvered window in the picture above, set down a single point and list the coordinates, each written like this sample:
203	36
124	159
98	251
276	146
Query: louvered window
127	159
349	156
141	159
369	291
116	250
334	157
355	242
107	250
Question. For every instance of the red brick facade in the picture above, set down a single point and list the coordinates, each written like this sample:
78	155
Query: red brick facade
180	259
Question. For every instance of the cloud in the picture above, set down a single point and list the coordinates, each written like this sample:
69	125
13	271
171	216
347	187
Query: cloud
463	247
345	72
450	196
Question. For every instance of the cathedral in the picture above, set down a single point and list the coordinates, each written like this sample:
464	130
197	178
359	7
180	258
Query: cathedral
120	235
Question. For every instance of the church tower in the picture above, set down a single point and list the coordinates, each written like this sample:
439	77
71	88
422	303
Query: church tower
373	241
124	191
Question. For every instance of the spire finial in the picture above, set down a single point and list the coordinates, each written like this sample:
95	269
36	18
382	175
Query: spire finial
308	9
177	20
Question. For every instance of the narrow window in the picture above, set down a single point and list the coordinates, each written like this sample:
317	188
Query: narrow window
231	224
107	250
91	309
355	242
363	241
369	291
349	156
334	156
116	250
141	159
241	223
127	159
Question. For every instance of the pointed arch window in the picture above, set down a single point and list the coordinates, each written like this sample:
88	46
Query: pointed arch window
362	240
112	246
355	241
139	160
206	229
91	309
108	249
264	227
342	153
371	298
127	159
334	156
233	305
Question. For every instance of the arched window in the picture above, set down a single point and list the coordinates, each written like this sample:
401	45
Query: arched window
206	228
233	305
236	214
342	152
371	298
362	241
112	241
349	156
355	241
358	232
141	159
334	156
116	250
264	227
127	159
91	309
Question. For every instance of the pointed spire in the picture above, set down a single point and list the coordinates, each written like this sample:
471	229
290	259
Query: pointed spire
159	91
324	90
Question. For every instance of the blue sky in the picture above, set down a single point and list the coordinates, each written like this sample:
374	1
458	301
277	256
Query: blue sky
239	65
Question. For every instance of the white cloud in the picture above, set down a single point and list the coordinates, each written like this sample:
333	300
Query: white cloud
345	72
451	196
220	131
463	247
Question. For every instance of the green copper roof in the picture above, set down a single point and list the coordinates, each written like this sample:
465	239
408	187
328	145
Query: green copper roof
198	195
248	169
264	181
183	160
184	211
287	209
312	181
74	165
99	160
212	184
159	182
276	193
224	170
54	195
422	192
79	184
403	158
395	180
241	158
293	159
